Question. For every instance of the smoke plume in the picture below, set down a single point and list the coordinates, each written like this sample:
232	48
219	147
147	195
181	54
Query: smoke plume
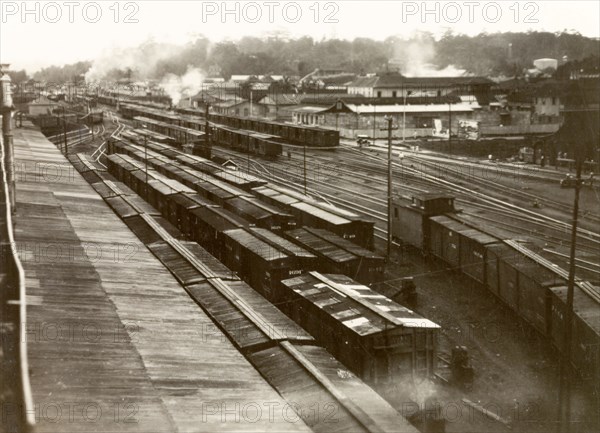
416	56
185	86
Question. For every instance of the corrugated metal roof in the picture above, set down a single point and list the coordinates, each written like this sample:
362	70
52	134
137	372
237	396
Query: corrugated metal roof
450	223
219	218
268	191
320	213
248	208
358	307
280	242
263	249
398	108
342	243
321	246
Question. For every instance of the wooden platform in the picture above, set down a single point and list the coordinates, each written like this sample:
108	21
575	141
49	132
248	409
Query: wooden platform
115	343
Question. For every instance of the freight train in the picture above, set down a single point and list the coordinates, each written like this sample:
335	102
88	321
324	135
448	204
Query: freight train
183	130
245	234
354	330
307	211
299	135
281	351
429	222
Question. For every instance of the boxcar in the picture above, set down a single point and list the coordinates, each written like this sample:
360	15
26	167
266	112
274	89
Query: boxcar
180	207
378	339
260	263
218	191
585	348
261	214
445	235
160	192
494	254
473	253
208	225
339	255
535	304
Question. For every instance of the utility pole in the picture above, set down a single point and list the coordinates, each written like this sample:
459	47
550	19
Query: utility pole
404	115
207	130
449	128
564	392
390	187
305	169
64	129
146	157
6	107
374	122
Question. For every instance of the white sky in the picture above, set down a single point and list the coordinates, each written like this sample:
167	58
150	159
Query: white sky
25	43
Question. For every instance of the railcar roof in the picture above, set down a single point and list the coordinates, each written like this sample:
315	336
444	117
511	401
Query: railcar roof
357	307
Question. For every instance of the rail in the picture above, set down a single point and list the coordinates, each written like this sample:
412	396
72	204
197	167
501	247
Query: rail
13	294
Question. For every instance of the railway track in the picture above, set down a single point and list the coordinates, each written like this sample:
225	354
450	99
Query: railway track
381	216
541	224
468	195
503	189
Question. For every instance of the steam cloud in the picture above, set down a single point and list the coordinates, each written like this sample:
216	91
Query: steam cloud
187	85
416	57
141	61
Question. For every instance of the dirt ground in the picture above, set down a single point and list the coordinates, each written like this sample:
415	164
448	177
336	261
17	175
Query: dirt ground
515	368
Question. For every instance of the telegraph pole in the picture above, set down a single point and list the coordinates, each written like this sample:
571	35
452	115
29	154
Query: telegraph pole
449	128
390	188
207	130
305	169
64	129
564	392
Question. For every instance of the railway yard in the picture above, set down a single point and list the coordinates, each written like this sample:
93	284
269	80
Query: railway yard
507	201
281	251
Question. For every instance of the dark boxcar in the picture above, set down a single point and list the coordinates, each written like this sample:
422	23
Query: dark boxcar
259	263
371	267
378	339
360	231
311	213
218	191
340	255
208	225
446	233
535	282
473	247
508	280
332	258
306	260
410	219
585	348
260	214
120	168
160	192
494	254
180	207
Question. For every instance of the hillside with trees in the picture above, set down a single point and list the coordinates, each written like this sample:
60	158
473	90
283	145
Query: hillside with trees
484	54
